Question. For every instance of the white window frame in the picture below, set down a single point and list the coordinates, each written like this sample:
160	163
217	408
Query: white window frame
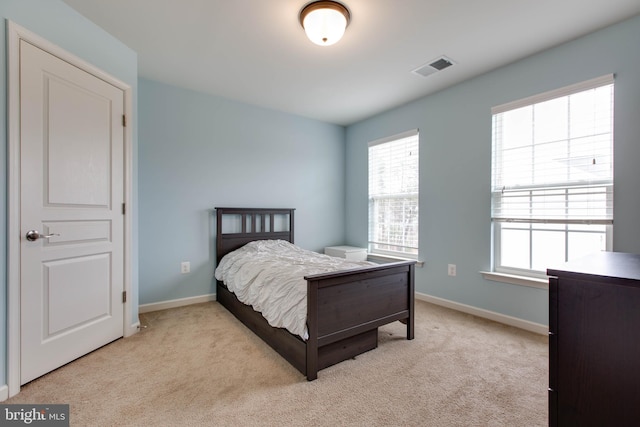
534	273
371	243
539	224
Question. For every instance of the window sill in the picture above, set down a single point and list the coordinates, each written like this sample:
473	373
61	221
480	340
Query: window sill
516	280
387	258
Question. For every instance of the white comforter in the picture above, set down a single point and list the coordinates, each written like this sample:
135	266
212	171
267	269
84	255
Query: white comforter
269	275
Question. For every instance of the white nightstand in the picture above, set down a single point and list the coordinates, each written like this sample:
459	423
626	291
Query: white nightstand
351	253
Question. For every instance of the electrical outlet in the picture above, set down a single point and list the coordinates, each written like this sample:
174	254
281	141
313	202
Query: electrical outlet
185	267
451	270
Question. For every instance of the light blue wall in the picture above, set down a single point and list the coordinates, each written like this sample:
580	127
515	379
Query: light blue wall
455	165
63	26
198	152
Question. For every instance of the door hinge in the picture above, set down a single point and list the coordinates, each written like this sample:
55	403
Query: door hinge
124	209
124	120
124	296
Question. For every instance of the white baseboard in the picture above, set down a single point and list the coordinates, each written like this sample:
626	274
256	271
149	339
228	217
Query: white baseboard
486	314
491	315
4	393
132	329
146	308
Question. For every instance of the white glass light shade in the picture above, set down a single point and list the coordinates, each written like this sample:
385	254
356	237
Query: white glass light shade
324	22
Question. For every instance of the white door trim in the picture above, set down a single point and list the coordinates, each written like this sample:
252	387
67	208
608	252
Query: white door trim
15	33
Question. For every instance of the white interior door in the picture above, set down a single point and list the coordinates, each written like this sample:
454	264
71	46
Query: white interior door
71	193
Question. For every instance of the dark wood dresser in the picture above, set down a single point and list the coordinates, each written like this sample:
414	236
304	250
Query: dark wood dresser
594	341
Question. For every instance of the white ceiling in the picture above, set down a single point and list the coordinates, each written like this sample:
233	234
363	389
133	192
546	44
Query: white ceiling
256	52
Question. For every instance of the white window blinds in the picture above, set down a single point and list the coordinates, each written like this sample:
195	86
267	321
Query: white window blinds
553	156
393	194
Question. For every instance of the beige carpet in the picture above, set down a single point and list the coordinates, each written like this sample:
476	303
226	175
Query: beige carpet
198	366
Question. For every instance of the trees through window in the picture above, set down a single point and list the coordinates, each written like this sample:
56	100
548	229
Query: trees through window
393	195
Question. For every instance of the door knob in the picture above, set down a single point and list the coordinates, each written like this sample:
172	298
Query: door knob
33	235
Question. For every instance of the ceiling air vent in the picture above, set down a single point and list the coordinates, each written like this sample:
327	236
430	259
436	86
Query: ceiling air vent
433	66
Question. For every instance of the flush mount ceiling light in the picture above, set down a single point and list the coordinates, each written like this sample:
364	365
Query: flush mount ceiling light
324	21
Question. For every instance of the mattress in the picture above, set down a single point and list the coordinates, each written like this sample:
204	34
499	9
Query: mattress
269	276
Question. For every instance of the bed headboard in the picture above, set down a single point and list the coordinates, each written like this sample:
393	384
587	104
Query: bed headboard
235	227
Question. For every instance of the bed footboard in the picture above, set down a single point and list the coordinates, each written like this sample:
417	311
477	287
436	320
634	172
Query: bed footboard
345	309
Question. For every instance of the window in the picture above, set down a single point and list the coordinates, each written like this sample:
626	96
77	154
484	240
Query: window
552	183
393	195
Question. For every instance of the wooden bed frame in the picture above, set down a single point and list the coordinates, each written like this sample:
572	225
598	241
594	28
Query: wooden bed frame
344	308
